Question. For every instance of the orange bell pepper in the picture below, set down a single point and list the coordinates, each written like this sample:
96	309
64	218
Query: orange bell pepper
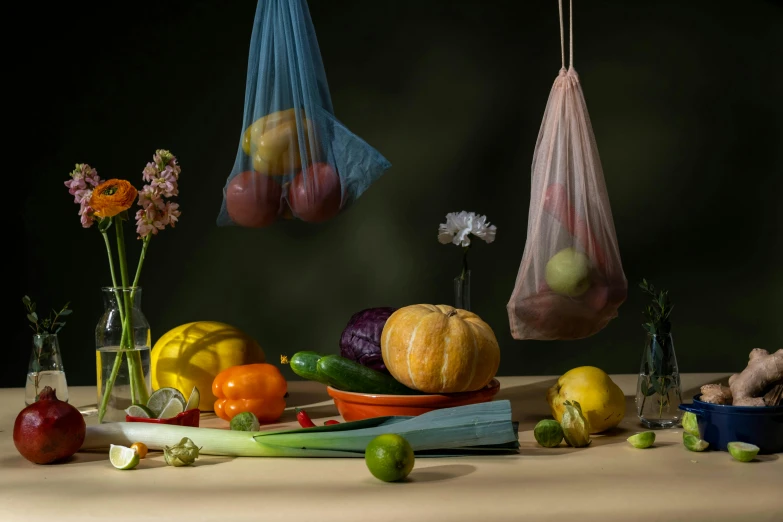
257	388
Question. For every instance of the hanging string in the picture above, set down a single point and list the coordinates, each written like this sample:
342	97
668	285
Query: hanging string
570	33
562	40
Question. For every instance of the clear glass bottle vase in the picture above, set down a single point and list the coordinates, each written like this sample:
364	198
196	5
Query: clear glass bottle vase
658	390
122	352
462	291
45	369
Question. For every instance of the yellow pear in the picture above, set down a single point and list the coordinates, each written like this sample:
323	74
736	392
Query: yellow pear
602	401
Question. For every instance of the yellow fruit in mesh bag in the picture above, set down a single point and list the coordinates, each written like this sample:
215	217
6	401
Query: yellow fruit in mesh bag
194	353
601	400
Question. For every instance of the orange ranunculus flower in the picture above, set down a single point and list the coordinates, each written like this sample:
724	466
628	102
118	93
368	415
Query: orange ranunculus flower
112	197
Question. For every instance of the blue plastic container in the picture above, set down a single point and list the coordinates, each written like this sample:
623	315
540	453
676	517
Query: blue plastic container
720	424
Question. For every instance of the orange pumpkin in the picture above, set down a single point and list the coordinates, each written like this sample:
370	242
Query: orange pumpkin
439	349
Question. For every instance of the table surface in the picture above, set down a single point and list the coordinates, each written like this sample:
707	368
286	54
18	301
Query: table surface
609	480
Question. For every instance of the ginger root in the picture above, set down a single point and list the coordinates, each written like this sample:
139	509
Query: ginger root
748	388
716	394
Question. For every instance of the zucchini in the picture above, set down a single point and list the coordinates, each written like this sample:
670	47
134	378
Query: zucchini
347	375
304	365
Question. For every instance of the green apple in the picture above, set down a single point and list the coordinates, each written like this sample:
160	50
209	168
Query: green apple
568	272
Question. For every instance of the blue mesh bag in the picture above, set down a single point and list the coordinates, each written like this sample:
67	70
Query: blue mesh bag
295	159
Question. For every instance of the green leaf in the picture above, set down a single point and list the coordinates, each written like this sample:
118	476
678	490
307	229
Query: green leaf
33	317
26	300
35	366
66	312
104	224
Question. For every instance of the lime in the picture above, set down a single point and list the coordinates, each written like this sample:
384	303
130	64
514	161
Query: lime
389	457
245	421
690	424
694	443
642	440
742	451
548	433
193	399
174	407
160	398
122	457
138	410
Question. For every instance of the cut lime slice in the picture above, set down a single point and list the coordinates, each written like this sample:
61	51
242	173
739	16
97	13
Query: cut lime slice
137	410
694	443
159	399
742	451
122	457
193	400
642	440
171	409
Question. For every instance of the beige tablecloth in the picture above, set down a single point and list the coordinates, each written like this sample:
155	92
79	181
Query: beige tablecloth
610	480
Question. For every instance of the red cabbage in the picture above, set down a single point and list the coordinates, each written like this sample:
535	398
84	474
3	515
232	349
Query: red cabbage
361	339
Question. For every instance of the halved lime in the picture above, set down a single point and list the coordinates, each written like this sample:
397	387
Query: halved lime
162	397
193	400
245	421
122	457
694	443
174	407
690	423
642	440
742	451
137	410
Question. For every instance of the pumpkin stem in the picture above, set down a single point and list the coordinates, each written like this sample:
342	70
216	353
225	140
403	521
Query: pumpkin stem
452	313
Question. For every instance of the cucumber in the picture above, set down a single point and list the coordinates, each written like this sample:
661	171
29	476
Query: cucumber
304	365
347	375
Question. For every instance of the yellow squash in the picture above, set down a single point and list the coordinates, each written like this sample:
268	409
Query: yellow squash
194	353
439	349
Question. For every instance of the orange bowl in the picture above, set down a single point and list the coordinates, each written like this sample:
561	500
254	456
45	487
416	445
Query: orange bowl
186	418
357	406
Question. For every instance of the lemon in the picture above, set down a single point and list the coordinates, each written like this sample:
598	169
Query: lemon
642	440
742	451
389	457
694	443
191	355
122	457
601	400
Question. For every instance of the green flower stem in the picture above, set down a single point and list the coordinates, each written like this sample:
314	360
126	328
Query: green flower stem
138	387
113	276
146	242
464	273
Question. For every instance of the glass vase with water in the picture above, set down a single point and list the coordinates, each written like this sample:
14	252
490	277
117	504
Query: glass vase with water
122	351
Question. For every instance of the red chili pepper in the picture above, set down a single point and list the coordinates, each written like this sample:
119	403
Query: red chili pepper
304	419
330	422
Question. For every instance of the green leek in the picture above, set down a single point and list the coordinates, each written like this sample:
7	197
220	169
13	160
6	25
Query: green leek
484	428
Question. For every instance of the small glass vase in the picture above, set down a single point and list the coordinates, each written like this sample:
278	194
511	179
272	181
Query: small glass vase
658	389
45	369
122	352
462	291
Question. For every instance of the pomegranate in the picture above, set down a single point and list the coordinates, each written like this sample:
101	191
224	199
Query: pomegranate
315	194
253	199
49	429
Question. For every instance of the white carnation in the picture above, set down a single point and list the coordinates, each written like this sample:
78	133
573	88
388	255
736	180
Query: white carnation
459	226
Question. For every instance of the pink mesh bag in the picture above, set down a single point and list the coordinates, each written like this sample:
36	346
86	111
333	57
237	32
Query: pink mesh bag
570	281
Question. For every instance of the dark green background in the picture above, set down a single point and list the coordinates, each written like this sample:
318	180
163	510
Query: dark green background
685	99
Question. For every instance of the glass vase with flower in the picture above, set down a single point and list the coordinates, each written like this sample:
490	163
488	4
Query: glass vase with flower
123	334
457	229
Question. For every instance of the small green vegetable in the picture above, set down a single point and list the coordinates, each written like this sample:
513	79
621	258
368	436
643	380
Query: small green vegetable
304	365
691	424
742	451
347	375
245	421
548	433
642	440
694	443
